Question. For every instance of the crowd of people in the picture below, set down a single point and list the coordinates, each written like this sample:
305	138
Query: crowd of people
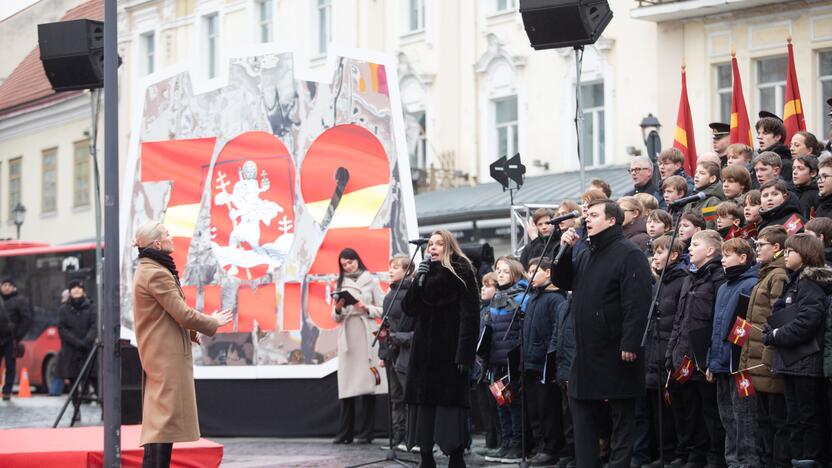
736	362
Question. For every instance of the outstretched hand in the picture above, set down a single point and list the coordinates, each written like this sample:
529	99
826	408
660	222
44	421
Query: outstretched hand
222	316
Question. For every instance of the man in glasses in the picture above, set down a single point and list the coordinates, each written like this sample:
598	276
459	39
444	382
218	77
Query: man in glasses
641	171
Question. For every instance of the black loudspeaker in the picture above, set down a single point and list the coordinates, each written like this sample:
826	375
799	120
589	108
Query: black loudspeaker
72	53
131	384
551	24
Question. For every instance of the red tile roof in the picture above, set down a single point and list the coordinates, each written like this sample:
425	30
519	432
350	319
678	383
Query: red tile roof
27	86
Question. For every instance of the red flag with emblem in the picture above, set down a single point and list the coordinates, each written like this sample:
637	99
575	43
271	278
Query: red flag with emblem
746	232
683	139
685	370
793	225
793	117
744	386
740	332
740	126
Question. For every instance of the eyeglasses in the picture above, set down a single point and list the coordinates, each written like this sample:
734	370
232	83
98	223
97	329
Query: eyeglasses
787	251
760	245
633	170
824	176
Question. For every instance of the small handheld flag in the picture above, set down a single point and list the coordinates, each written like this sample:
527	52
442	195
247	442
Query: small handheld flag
747	232
709	213
793	225
744	386
685	370
739	332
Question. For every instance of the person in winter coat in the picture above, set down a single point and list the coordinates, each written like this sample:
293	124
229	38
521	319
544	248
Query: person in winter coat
822	229
610	284
772	438
804	172
738	414
76	328
706	179
15	320
771	136
690	338
395	348
563	345
165	327
504	320
356	358
543	395
485	404
736	182
796	330
539	231
444	344
823	204
663	316
641	171
778	205
767	166
672	163
634	225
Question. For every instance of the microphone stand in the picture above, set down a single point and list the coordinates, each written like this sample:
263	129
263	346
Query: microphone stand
519	312
390	454
655	311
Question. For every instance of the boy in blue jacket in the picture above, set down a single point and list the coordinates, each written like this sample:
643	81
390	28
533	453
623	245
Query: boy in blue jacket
737	414
543	394
563	345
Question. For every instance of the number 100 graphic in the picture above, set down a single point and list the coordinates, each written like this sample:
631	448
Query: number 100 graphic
262	181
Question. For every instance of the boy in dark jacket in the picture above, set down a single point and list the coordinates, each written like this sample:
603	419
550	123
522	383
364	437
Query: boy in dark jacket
737	414
778	205
540	230
796	330
395	350
484	402
543	393
690	338
15	319
563	345
663	316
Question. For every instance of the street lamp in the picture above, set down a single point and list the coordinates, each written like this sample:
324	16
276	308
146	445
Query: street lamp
18	216
650	131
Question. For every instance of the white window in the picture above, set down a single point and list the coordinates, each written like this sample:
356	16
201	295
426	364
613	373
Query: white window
771	84
15	185
417	142
592	141
211	29
265	20
825	69
148	47
505	127
501	6
49	183
414	15
81	174
324	25
724	88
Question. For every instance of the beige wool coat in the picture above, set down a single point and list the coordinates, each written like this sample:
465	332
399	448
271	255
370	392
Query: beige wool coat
165	327
355	355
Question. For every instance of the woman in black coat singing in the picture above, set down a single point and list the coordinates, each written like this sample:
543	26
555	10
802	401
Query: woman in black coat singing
444	300
76	328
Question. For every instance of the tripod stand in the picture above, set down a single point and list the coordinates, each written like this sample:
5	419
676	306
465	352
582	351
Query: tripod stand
79	385
390	455
657	313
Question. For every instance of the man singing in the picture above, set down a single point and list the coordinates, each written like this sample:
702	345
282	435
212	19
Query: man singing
165	327
610	284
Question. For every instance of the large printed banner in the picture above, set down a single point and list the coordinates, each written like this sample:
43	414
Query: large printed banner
262	181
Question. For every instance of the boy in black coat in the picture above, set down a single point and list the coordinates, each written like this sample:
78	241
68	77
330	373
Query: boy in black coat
663	316
543	393
699	428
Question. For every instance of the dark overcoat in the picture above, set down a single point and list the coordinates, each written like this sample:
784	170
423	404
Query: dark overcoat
76	327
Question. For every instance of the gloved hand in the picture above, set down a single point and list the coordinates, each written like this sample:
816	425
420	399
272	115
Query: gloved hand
423	267
768	335
668	364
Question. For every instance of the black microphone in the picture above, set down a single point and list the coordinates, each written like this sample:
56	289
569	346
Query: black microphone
561	252
684	201
420	277
557	220
419	242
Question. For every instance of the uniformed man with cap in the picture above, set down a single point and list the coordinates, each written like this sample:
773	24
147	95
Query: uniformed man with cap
722	138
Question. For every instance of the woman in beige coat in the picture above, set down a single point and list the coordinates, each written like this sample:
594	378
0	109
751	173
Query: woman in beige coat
356	358
165	327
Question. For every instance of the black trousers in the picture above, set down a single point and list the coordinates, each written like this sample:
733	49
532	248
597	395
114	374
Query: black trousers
691	436
485	405
803	417
588	431
7	350
568	450
713	424
157	455
661	410
346	429
772	435
543	400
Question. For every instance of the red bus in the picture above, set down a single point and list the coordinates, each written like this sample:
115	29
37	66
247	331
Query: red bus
41	272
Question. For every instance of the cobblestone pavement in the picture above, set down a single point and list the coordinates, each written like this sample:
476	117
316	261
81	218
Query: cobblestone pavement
239	452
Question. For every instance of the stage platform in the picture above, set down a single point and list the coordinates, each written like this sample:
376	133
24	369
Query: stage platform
84	447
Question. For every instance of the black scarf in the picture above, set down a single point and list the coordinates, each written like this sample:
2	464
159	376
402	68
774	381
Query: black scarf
162	258
734	272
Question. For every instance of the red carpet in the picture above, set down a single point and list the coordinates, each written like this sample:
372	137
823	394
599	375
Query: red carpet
84	447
